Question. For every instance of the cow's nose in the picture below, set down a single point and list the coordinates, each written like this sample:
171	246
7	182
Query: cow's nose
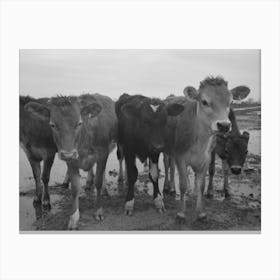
236	169
224	126
65	155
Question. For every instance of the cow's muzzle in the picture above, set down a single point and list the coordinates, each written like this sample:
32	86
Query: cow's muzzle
236	169
65	155
224	126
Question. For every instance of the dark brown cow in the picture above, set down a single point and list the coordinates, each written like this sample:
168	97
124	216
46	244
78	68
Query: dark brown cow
232	148
83	129
189	137
141	134
37	141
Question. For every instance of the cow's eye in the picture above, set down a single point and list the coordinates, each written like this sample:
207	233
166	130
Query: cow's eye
205	103
246	152
52	125
79	124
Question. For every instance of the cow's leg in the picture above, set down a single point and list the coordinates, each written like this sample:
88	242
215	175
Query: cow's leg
46	178
75	190
172	175
132	174
181	166
200	185
104	190
66	180
120	159
36	169
166	187
226	186
90	179
100	169
146	166
211	175
153	174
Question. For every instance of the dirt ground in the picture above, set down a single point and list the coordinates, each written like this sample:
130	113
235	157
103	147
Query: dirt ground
240	213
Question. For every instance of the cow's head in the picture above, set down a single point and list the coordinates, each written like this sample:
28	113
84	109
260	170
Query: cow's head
233	148
66	116
150	116
214	100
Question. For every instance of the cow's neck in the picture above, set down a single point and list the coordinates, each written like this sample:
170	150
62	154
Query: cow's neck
234	127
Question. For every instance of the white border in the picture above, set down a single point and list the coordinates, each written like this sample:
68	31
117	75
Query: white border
201	24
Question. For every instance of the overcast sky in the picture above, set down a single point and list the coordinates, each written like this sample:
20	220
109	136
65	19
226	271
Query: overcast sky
148	72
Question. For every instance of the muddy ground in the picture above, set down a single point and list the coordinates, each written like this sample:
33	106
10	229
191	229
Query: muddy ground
241	213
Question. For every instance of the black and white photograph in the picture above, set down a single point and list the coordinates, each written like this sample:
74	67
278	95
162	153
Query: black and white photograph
140	140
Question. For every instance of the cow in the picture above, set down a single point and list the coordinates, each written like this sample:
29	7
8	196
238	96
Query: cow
190	136
83	129
37	142
141	123
231	147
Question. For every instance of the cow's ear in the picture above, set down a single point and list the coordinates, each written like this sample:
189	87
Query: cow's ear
129	110
246	135
38	110
175	109
240	92
191	93
91	110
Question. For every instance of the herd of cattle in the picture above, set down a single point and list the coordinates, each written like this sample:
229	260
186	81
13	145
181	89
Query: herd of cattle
190	130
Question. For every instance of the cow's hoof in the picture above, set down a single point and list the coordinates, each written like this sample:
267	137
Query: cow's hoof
209	195
180	218
99	215
201	216
73	221
129	206
46	205
159	204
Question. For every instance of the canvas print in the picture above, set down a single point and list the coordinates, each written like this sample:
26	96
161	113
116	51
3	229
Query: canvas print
140	140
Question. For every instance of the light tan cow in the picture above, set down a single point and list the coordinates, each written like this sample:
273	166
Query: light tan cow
189	137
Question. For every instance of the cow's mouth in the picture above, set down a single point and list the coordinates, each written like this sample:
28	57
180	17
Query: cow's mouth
236	170
68	156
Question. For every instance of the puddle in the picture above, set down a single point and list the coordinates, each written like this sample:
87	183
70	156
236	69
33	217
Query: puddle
28	214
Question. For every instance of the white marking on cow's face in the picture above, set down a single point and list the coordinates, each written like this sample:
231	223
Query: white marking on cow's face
154	107
154	171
